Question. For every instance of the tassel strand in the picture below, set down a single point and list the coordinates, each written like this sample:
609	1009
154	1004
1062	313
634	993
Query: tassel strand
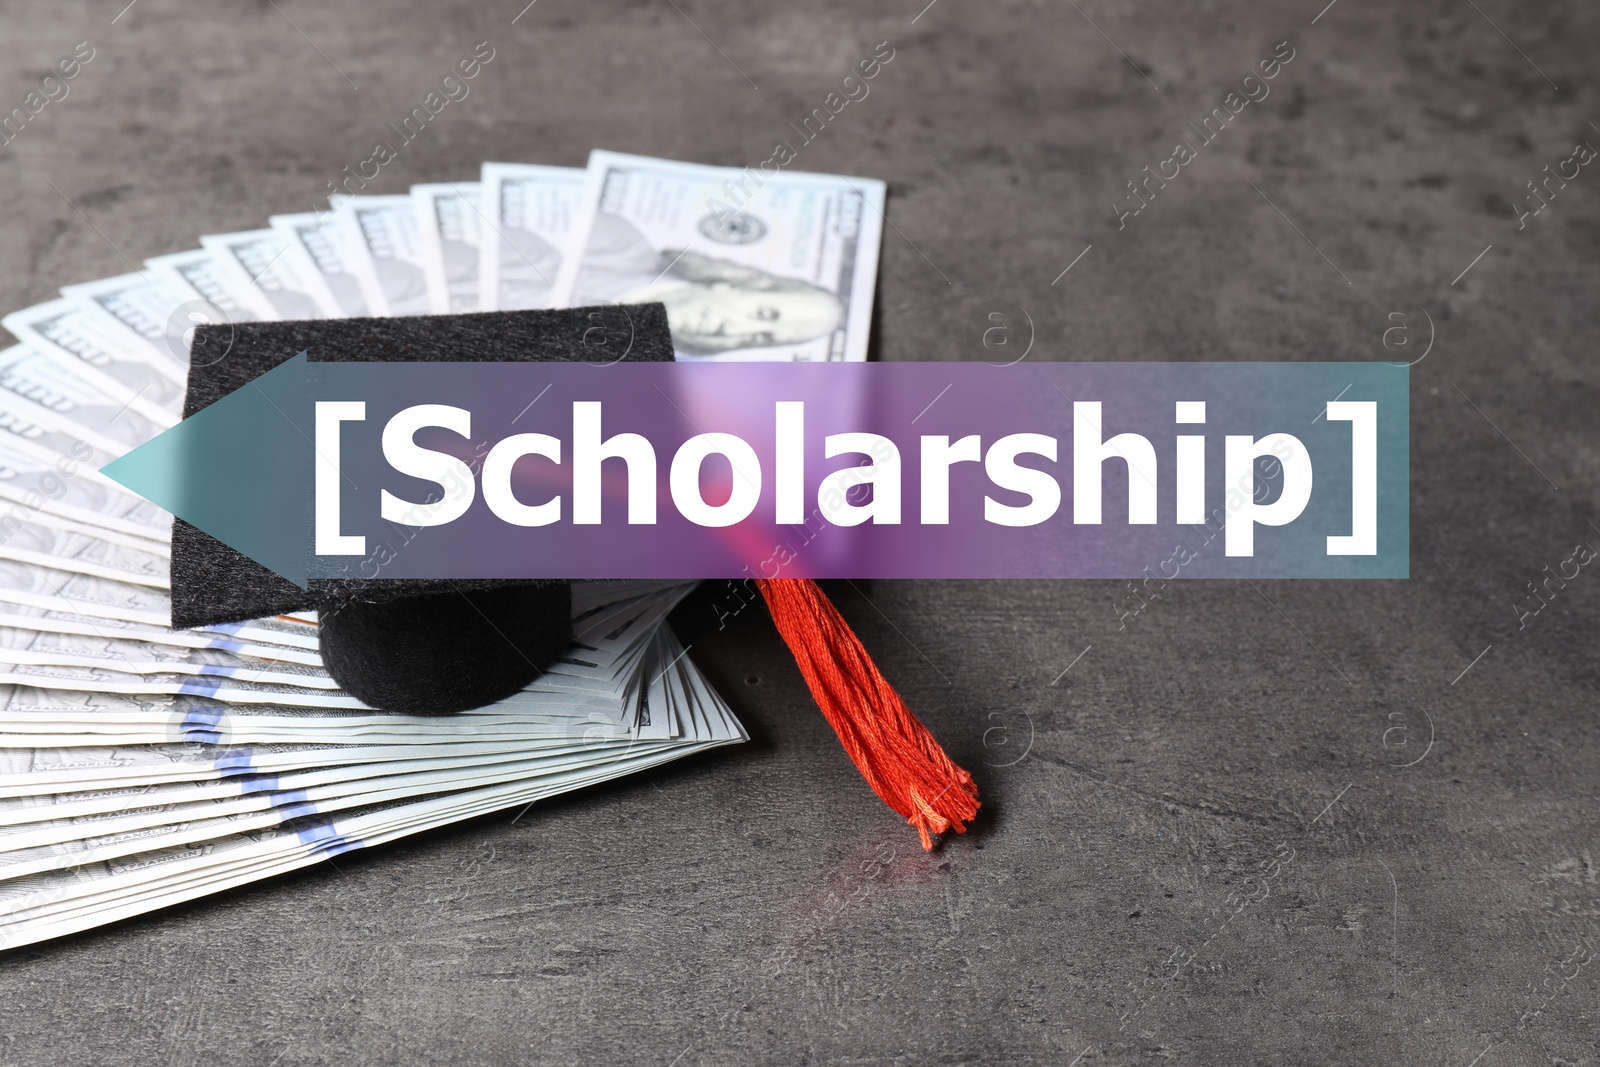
895	753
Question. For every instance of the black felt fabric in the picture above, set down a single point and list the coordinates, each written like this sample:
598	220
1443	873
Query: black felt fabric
444	652
405	645
212	583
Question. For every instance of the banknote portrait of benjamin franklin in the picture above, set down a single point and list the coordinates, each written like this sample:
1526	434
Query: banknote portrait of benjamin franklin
713	305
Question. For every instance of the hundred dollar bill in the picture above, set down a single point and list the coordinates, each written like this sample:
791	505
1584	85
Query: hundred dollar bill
31	541
316	247
168	796
112	846
138	311
26	848
26	851
95	648
751	265
48	818
450	227
42	392
66	707
48	440
152	680
385	253
529	212
62	331
88	772
65	495
68	595
256	271
63	469
68	702
94	775
49	447
55	622
196	275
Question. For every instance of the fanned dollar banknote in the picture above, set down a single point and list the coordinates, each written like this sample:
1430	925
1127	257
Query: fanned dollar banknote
450	227
142	767
528	216
751	264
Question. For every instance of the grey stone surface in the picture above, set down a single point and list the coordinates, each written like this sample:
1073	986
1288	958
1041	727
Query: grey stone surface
760	905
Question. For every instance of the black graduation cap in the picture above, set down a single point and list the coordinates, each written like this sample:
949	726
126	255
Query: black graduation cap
409	645
445	645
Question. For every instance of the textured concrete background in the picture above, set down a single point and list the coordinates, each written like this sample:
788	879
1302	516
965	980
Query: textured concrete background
1203	844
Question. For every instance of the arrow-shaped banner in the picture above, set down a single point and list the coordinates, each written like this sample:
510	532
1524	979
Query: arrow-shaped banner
705	470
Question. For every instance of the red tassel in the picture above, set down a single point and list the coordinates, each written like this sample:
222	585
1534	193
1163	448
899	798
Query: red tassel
895	753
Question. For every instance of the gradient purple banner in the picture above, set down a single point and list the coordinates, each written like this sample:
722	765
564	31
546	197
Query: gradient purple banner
976	434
